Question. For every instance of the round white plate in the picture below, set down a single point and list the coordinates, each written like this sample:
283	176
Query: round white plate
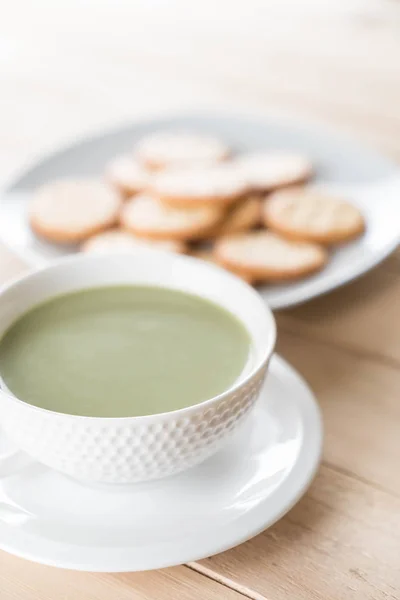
228	499
367	179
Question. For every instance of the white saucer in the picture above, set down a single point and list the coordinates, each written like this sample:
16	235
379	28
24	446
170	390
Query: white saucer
230	498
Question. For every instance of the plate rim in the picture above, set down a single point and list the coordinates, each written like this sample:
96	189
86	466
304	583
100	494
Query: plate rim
284	120
285	496
291	297
336	284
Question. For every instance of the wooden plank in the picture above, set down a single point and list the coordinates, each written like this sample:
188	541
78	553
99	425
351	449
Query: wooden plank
392	264
24	580
283	57
362	316
333	61
341	541
359	399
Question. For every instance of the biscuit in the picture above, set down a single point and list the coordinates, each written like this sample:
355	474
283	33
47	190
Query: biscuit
127	175
198	186
266	171
241	217
165	149
145	216
208	256
269	257
308	215
117	240
68	211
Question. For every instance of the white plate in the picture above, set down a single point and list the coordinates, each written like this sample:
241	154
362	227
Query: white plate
339	162
228	499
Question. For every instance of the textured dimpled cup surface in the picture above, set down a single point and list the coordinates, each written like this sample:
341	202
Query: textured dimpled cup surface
133	449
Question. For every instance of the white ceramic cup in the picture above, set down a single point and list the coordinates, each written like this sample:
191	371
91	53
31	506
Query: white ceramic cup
131	449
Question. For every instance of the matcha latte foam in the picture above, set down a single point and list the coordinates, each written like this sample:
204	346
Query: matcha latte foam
123	351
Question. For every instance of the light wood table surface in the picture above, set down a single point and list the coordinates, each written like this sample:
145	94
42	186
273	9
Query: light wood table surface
72	68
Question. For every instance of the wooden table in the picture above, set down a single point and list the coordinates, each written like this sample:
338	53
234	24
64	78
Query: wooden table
69	68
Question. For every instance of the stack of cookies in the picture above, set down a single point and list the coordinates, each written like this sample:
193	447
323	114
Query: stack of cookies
184	192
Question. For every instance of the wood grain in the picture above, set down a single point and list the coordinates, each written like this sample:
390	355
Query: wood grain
78	68
22	579
73	68
341	541
362	317
359	399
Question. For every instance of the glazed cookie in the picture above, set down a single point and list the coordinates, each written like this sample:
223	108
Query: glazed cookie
313	216
268	257
127	175
187	188
165	149
68	211
117	240
208	256
267	171
146	217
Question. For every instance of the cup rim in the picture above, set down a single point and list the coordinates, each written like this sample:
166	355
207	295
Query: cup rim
181	412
